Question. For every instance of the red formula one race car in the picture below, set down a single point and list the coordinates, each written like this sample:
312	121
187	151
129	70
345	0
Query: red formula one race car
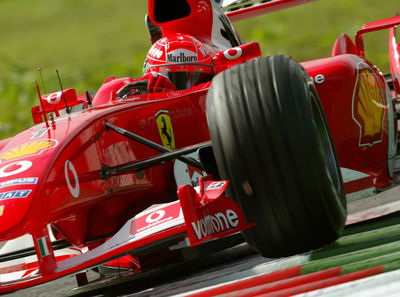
214	140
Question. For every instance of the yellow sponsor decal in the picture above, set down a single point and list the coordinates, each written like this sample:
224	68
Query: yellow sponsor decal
165	129
1	210
28	149
369	108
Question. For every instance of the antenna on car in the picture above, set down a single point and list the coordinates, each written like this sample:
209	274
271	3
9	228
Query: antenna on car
41	79
89	99
41	103
62	93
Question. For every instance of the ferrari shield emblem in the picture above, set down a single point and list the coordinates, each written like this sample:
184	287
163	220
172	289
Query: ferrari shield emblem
165	129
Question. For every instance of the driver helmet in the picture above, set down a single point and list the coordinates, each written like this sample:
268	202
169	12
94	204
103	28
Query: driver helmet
182	58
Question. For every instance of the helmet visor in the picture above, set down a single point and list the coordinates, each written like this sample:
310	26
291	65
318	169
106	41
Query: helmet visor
183	80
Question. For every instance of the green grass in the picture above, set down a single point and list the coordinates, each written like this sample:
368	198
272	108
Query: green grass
309	31
92	39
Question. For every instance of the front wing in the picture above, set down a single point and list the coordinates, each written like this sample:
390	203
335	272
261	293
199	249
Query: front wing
201	214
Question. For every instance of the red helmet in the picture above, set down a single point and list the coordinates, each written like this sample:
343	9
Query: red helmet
182	58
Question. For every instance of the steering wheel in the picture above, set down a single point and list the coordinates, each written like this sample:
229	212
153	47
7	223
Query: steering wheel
134	88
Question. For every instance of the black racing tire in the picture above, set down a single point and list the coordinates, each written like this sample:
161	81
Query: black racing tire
271	140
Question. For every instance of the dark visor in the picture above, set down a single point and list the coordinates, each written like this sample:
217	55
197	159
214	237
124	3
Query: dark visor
184	80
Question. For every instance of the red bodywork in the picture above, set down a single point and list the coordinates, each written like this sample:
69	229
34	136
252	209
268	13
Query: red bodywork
360	108
53	173
69	171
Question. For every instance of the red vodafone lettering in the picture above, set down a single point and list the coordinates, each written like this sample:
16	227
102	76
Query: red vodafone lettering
156	219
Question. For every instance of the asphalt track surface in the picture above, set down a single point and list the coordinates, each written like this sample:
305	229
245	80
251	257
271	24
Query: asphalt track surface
365	261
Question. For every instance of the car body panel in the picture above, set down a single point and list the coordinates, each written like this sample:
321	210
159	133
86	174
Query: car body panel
60	172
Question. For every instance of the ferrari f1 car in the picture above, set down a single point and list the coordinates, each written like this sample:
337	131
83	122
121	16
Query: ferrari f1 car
269	147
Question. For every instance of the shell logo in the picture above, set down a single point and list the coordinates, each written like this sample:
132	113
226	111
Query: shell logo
369	107
28	149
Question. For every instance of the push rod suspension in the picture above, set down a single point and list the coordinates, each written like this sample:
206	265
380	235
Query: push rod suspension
167	155
153	161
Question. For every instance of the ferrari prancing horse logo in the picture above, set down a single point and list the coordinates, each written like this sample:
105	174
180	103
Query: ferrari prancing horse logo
165	129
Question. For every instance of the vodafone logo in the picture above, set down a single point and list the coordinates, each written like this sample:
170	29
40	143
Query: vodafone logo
216	223
74	188
53	98
15	168
233	53
157	219
155	216
155	52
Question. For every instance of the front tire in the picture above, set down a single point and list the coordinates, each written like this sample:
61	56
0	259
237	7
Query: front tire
271	140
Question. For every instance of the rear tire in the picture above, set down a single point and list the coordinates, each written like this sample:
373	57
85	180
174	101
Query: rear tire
271	140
